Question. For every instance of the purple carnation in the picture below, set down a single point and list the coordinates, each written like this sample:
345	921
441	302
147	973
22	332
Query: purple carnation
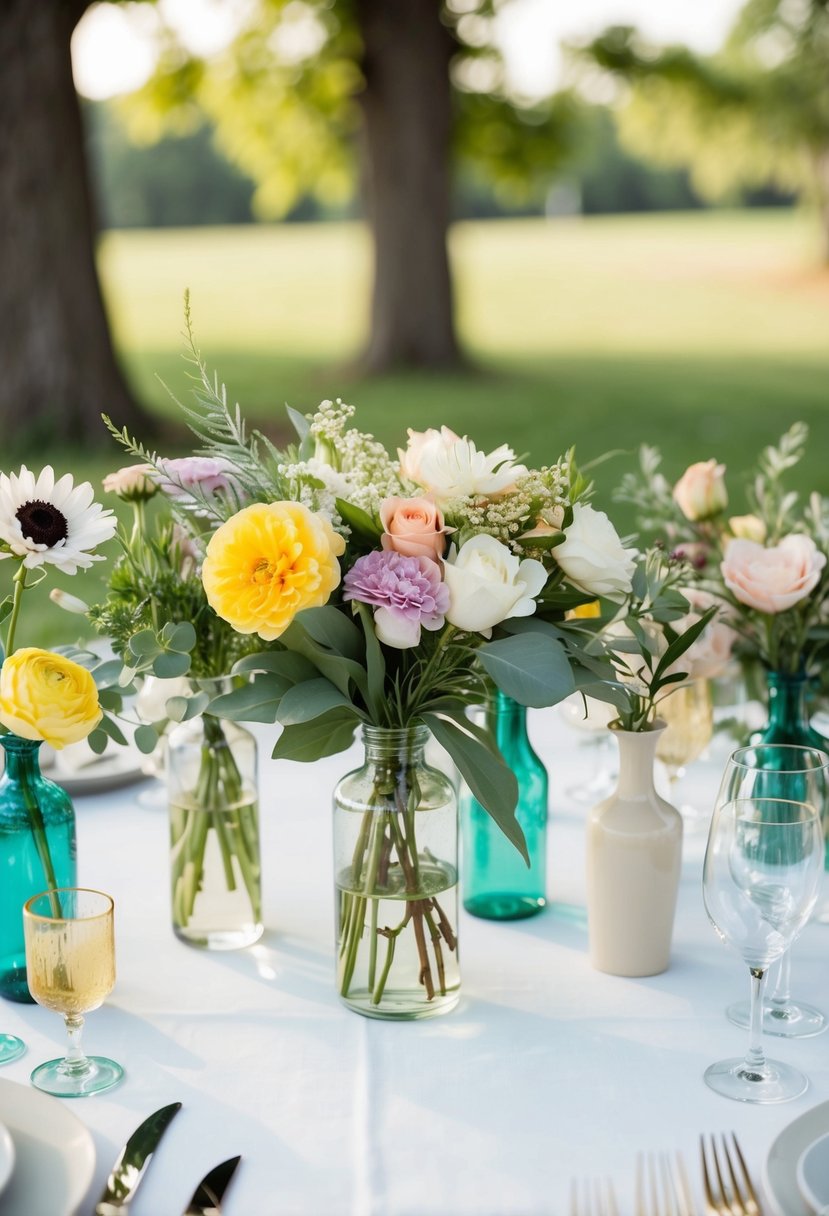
406	593
185	473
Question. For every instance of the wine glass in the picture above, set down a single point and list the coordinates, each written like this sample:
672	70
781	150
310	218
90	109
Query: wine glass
689	713
592	716
789	771
760	881
11	1048
70	964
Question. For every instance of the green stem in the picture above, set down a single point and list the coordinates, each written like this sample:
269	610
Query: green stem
19	588
41	841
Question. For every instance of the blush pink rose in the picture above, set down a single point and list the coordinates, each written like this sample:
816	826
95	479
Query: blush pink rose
772	579
413	527
700	491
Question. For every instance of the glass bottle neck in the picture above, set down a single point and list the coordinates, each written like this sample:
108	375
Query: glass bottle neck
386	745
22	757
507	721
787	699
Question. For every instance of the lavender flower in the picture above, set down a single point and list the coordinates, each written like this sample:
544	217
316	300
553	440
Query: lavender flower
208	474
405	592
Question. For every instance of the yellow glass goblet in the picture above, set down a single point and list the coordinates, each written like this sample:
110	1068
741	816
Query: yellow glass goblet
70	965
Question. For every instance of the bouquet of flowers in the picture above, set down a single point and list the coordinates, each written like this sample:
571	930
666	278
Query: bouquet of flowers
45	697
767	570
387	593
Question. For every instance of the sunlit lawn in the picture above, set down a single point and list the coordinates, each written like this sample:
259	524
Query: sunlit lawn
706	334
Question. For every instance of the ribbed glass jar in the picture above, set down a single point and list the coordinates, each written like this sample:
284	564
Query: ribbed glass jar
396	881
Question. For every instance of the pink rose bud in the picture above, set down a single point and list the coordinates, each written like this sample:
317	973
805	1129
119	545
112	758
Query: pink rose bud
773	579
700	491
413	527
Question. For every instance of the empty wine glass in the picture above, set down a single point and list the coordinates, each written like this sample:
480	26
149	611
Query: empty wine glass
70	964
778	770
689	714
761	875
11	1048
592	716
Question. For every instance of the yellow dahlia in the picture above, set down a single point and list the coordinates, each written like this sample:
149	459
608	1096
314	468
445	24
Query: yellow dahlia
48	697
267	563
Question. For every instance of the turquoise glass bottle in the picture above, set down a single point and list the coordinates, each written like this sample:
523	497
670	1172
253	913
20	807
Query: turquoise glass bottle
37	851
789	722
495	881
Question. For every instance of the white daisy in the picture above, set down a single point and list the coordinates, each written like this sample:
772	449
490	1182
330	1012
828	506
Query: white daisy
43	520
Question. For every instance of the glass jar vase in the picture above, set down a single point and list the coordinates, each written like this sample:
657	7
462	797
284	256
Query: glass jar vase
496	882
396	881
37	852
214	833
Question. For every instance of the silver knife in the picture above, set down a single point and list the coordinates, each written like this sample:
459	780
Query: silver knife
207	1197
133	1161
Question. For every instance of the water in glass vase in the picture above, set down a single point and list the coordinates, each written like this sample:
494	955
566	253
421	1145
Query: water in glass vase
392	944
215	875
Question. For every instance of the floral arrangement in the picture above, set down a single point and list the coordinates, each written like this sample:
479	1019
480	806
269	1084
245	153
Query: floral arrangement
374	590
766	570
46	697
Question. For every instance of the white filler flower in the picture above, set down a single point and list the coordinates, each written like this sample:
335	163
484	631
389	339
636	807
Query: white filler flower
56	522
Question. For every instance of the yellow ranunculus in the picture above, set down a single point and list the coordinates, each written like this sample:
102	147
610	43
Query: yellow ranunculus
267	563
584	612
45	696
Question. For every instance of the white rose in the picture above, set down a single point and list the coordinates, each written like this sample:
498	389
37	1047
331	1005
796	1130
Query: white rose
487	584
592	555
449	467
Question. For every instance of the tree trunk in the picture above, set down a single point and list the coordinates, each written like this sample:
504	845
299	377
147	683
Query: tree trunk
58	371
407	111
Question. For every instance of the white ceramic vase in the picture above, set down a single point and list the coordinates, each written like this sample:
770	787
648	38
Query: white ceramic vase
634	857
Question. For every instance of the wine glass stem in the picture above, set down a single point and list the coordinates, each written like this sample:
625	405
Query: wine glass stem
781	993
74	1060
755	1060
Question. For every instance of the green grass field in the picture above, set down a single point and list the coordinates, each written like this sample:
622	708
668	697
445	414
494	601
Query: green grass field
706	334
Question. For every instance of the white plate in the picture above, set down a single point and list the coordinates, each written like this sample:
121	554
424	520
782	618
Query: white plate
813	1174
116	768
55	1154
780	1169
6	1157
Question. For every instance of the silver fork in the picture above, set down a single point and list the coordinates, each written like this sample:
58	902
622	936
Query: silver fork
725	1179
598	1198
662	1186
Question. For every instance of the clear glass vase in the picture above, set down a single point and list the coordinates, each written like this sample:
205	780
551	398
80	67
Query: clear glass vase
37	852
496	882
214	833
396	874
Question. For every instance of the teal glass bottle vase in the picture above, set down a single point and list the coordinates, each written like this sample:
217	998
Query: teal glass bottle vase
495	881
37	851
789	722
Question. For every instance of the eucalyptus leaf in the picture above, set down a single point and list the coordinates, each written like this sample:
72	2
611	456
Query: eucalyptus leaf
6	606
110	727
285	663
531	669
309	700
170	664
255	702
484	771
180	637
98	741
325	736
331	628
146	739
299	422
108	673
375	662
144	645
359	520
111	698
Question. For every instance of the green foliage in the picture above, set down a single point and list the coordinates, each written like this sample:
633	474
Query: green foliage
755	112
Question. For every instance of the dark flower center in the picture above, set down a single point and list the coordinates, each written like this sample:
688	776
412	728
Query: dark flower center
42	523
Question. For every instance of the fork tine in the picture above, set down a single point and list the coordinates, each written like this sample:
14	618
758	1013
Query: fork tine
612	1206
753	1203
574	1197
738	1203
686	1198
706	1178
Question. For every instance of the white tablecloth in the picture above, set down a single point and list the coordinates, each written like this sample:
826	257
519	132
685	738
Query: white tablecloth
547	1070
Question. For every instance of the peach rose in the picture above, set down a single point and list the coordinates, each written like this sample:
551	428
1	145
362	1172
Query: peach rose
700	491
773	579
413	527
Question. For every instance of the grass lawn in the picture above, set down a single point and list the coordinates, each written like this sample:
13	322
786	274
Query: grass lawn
706	334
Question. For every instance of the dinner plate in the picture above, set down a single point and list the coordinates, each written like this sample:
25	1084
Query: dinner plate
813	1174
115	769
6	1156
54	1154
780	1168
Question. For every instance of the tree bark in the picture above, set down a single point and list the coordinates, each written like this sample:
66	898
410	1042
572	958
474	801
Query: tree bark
407	111
58	371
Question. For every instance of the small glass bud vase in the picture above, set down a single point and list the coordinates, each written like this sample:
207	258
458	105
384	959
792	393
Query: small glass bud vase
37	851
214	832
496	882
396	881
